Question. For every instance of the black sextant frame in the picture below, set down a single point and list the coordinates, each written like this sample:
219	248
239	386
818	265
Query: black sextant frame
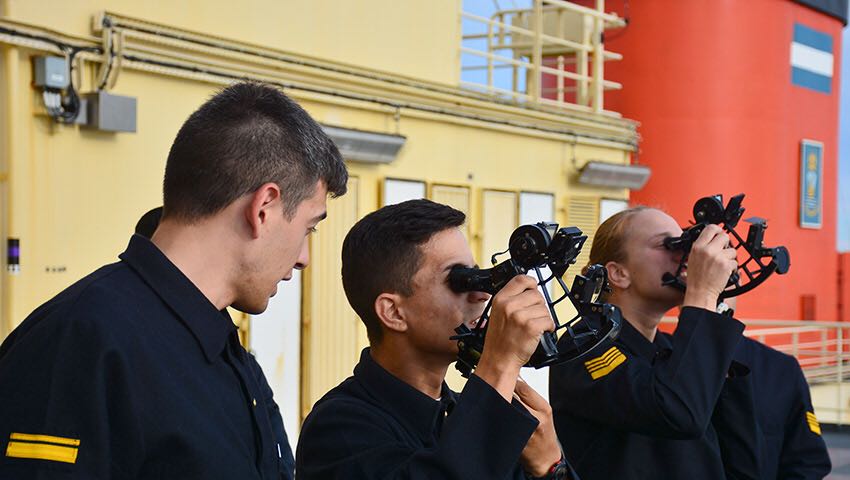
536	248
758	263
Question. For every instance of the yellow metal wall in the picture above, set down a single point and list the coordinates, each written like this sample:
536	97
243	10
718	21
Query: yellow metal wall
6	114
455	197
499	214
73	195
417	39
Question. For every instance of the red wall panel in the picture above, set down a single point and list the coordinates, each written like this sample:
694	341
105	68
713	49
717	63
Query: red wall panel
710	83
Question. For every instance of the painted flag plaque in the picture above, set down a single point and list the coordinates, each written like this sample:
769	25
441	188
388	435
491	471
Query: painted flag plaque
811	184
811	59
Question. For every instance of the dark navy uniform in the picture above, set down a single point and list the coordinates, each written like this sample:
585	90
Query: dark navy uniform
374	425
791	446
132	373
734	420
642	410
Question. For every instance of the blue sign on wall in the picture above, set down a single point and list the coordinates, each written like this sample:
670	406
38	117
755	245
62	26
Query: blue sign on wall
812	62
811	184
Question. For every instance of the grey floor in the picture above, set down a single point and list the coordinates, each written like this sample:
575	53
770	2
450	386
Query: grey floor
839	453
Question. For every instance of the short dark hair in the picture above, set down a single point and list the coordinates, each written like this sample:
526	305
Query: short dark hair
244	136
382	252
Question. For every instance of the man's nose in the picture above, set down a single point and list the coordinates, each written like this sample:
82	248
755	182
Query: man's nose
303	257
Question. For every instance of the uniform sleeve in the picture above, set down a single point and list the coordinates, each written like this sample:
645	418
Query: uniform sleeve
738	433
804	453
287	461
68	409
349	440
672	397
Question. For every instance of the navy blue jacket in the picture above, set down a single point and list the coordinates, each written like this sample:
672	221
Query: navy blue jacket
791	446
375	426
643	410
132	373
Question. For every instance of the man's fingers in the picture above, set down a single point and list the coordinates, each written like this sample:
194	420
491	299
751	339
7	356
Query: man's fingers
512	304
529	397
526	299
536	315
517	285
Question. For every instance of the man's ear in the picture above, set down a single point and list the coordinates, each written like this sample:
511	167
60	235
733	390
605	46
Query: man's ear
618	276
265	201
388	309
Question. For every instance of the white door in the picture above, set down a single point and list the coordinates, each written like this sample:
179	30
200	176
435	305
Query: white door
534	208
276	342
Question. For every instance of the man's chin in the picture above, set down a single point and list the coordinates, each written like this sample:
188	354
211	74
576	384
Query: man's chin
251	308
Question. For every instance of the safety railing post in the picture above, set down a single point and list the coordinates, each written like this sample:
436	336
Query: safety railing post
795	344
840	373
535	82
598	59
560	79
489	59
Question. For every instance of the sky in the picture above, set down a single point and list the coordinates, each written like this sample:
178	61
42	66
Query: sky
486	7
844	148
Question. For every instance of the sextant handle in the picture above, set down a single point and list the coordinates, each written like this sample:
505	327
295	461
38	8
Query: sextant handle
547	351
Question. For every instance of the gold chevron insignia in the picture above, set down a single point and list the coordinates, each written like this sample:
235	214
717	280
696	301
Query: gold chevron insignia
814	425
605	364
43	447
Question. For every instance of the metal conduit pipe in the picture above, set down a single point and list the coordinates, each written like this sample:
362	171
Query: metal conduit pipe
322	98
559	134
191	70
269	75
220	46
628	132
204	43
450	99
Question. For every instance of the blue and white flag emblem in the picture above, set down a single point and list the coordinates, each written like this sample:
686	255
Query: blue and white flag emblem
811	59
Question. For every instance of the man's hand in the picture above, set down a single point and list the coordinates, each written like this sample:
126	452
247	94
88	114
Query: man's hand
517	320
542	450
710	264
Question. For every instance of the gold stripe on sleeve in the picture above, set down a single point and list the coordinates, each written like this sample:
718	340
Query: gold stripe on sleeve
42	451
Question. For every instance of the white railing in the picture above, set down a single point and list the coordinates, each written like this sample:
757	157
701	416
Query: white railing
823	351
554	52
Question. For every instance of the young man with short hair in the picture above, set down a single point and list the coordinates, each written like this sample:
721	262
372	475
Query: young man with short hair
395	418
136	370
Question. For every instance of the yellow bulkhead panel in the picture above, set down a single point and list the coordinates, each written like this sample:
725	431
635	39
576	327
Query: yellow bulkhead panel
455	197
331	334
499	218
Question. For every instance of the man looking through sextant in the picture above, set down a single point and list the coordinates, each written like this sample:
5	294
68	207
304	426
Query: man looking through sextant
395	417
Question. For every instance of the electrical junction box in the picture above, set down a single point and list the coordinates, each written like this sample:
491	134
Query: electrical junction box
51	72
110	113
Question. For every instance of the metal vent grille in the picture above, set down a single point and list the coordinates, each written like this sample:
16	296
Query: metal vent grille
583	212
